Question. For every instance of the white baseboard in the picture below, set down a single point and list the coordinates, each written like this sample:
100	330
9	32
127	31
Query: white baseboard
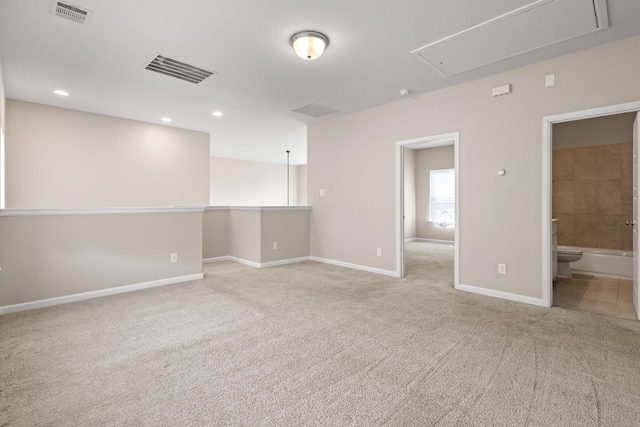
245	262
355	266
410	239
593	273
284	262
94	294
503	295
446	242
216	259
253	263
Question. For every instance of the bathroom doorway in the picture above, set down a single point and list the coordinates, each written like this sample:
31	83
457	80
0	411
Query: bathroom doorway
588	186
428	221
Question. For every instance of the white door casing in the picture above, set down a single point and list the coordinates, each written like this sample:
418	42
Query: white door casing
636	170
547	138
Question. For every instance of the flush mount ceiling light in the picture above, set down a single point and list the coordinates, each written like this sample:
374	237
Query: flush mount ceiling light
166	119
61	92
309	44
217	113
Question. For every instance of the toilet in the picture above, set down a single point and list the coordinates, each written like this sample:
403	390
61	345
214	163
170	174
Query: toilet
564	258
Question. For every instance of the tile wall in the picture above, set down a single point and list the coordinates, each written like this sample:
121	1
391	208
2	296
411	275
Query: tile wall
593	196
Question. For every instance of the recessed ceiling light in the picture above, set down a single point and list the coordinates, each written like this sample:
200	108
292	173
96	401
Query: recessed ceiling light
61	92
166	119
217	113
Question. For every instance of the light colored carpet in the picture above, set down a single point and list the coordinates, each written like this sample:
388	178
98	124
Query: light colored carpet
315	344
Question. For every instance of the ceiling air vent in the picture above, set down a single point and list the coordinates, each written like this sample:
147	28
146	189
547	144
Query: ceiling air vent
181	70
315	110
71	12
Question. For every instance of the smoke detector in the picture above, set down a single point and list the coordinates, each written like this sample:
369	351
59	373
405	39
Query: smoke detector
71	12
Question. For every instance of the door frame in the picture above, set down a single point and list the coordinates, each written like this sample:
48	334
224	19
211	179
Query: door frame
452	138
547	150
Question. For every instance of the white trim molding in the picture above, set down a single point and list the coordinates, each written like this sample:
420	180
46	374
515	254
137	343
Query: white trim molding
269	208
452	138
442	242
43	212
502	295
355	266
547	151
245	262
256	264
284	262
216	259
95	294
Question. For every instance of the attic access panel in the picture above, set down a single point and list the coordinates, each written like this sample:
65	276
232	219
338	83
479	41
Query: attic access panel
539	24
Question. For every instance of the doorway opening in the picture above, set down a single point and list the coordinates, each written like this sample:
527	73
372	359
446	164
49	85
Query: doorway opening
579	190
438	217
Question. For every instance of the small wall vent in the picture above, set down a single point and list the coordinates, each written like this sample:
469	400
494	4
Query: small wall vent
315	110
71	12
181	70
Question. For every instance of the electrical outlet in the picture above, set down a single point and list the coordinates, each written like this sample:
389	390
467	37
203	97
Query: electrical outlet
174	257
322	192
379	252
275	245
502	268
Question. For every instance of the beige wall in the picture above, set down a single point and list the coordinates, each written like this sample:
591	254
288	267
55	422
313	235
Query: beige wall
593	196
248	233
290	229
59	158
2	97
246	183
215	233
429	159
409	194
2	130
613	129
353	157
302	185
48	256
244	234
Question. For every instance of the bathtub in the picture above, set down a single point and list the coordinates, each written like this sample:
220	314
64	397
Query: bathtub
607	262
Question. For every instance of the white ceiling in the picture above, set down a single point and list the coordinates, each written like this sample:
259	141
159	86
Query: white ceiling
259	80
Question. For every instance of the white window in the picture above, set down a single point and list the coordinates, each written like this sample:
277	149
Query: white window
442	199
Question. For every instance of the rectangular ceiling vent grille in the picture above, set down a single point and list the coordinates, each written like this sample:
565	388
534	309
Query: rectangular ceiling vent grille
315	110
71	12
181	70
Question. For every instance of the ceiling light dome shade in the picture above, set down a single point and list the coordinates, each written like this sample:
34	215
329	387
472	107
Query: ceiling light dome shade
309	44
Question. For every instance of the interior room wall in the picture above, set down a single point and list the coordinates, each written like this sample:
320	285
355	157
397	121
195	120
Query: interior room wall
215	233
60	158
302	185
593	182
244	234
289	229
612	129
409	194
429	159
248	234
2	130
247	183
593	196
55	255
500	216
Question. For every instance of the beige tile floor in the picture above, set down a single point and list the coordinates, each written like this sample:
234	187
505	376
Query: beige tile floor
602	295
